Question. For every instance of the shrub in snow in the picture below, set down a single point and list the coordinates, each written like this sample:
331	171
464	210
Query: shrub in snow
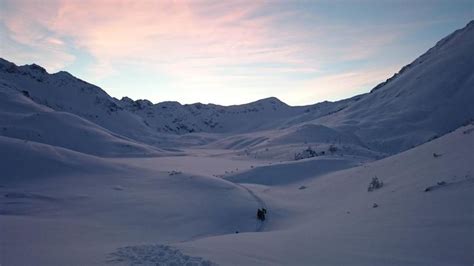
308	153
438	184
174	173
26	93
469	131
375	184
332	148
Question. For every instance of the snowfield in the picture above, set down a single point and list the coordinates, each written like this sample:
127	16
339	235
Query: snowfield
87	179
330	219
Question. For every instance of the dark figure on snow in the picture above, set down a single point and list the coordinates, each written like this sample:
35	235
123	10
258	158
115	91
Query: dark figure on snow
261	214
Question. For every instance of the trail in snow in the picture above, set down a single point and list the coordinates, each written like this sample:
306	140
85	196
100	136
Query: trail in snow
260	225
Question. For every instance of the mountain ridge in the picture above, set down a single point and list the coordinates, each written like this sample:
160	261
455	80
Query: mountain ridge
394	116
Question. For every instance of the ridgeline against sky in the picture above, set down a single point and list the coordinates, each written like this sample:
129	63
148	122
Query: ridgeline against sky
227	52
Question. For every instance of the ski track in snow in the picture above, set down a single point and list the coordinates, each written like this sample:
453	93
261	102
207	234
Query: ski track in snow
260	224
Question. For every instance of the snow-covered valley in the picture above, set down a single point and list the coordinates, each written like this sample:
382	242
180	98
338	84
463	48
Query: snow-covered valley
87	179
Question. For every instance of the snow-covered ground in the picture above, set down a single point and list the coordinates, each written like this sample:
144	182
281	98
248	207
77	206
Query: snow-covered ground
119	212
60	218
331	219
87	179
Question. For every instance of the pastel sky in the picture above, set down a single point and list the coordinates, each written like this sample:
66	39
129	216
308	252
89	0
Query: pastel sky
227	52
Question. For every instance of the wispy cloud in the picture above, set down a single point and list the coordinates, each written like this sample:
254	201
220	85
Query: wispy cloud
236	50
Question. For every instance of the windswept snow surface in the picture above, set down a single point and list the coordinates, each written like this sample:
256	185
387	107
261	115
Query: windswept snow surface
87	179
78	217
332	221
128	215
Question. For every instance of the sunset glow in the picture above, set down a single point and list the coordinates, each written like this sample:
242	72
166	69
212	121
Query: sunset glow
226	52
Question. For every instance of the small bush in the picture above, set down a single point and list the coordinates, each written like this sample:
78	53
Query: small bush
307	153
375	184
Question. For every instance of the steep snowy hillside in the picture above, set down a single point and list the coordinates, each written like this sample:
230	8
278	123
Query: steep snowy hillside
22	118
65	93
426	99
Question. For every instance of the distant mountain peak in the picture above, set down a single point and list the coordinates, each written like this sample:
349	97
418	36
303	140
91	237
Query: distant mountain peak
270	100
36	68
3	62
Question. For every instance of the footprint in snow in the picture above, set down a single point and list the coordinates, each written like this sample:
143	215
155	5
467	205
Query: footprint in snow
154	255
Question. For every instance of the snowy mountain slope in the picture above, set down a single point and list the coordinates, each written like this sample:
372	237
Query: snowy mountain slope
155	124
427	98
24	161
295	143
395	116
398	107
176	118
22	118
65	93
331	219
265	114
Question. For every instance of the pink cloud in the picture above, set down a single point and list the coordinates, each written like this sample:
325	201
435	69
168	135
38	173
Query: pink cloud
148	26
164	33
183	34
190	42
